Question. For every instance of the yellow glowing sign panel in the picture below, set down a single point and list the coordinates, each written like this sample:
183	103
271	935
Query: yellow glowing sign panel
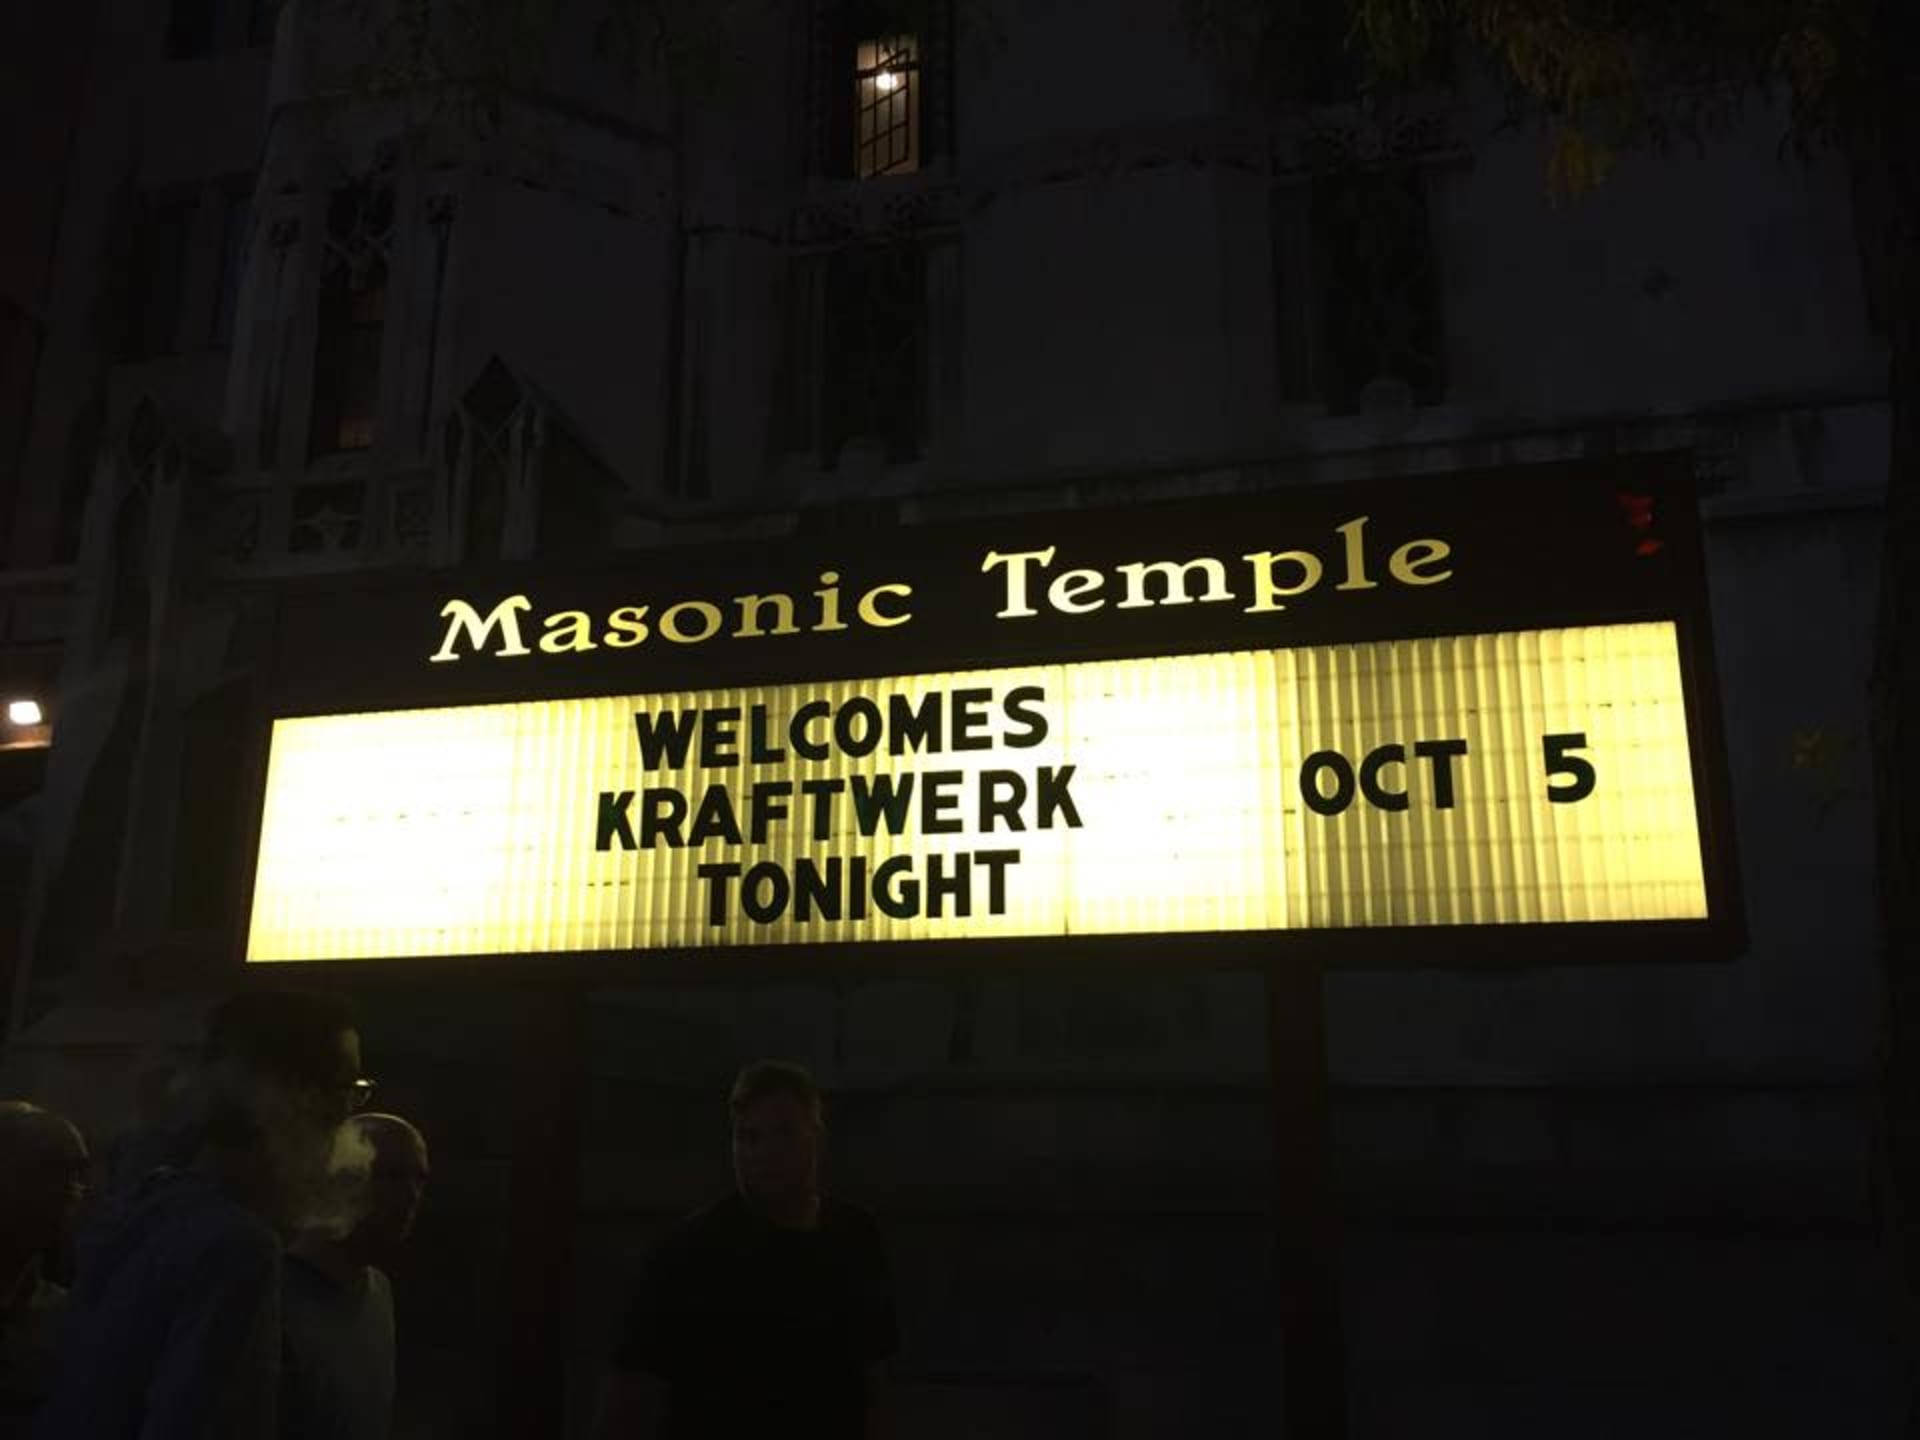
1506	779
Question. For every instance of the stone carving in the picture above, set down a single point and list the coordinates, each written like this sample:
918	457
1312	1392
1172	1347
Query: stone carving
327	518
411	518
234	527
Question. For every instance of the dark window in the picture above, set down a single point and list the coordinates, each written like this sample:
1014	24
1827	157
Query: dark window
603	38
261	18
696	481
346	366
83	439
574	492
1312	53
127	610
1377	330
351	323
886	82
492	403
190	28
19	363
486	504
873	347
208	825
235	213
157	277
796	414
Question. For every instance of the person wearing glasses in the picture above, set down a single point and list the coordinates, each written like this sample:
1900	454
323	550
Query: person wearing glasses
174	1327
44	1169
337	1378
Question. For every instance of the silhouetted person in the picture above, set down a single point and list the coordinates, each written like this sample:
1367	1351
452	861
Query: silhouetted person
768	1314
43	1178
175	1326
337	1306
155	1137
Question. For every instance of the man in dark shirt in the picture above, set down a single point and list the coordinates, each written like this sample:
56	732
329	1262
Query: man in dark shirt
767	1314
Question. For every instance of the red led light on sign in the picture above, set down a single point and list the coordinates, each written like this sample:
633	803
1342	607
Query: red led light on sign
1639	514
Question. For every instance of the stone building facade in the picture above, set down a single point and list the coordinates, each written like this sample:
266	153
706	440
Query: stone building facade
303	328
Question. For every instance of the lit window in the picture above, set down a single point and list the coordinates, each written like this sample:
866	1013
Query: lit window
887	106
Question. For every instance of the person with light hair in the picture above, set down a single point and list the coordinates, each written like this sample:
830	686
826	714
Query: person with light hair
44	1168
337	1374
769	1313
175	1325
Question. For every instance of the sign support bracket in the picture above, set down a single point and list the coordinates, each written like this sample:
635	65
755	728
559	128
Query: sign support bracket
1305	1213
549	1091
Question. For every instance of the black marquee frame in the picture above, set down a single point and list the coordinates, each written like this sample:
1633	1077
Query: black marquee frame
1540	546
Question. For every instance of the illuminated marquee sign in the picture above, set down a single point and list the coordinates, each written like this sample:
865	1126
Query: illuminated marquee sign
1090	746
